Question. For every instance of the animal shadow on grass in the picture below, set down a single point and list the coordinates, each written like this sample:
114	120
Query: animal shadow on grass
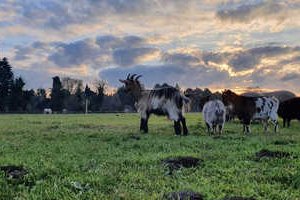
16	175
229	137
183	195
132	137
283	142
287	179
265	153
177	163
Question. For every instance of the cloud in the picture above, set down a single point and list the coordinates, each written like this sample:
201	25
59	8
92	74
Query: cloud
104	51
186	76
131	56
290	76
247	11
75	53
180	59
113	42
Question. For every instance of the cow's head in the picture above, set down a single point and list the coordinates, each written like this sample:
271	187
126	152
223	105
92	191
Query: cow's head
228	97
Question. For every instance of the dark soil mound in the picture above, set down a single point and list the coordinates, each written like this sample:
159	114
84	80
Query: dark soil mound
183	195
181	162
239	198
271	154
14	172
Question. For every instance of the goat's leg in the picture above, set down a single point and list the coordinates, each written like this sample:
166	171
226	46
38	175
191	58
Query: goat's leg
144	123
177	127
208	128
214	128
220	129
183	122
276	126
288	123
265	125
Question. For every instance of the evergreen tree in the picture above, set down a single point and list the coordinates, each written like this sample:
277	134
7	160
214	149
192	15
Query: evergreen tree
16	98
57	95
6	82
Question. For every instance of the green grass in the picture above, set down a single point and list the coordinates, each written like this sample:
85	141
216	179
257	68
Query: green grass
95	157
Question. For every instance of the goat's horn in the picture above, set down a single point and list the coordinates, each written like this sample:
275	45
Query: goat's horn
122	81
139	76
128	76
132	77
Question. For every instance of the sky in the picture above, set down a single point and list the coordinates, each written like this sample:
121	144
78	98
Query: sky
213	44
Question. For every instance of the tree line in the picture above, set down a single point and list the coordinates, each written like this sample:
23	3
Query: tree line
67	94
70	95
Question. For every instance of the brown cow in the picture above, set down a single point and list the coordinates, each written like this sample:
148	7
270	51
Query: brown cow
289	109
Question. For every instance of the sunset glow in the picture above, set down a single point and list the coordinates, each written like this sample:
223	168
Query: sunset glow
208	44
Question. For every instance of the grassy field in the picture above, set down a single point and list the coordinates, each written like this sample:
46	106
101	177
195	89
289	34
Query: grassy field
103	156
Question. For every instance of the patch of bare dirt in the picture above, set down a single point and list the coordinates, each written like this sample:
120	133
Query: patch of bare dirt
181	162
183	195
14	172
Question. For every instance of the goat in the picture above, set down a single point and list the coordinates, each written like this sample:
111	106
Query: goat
251	108
214	115
289	109
161	100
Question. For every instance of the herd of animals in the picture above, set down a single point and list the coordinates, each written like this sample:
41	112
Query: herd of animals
169	101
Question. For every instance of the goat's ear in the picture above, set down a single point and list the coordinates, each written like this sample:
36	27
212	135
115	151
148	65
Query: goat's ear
122	81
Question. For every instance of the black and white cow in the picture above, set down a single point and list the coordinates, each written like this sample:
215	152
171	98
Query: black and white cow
252	108
161	100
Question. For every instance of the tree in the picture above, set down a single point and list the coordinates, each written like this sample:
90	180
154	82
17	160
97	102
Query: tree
6	82
16	97
96	98
40	100
71	84
57	95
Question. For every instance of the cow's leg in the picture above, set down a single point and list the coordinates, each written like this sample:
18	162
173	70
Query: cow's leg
248	128
247	125
274	120
288	123
177	127
275	123
184	127
265	125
